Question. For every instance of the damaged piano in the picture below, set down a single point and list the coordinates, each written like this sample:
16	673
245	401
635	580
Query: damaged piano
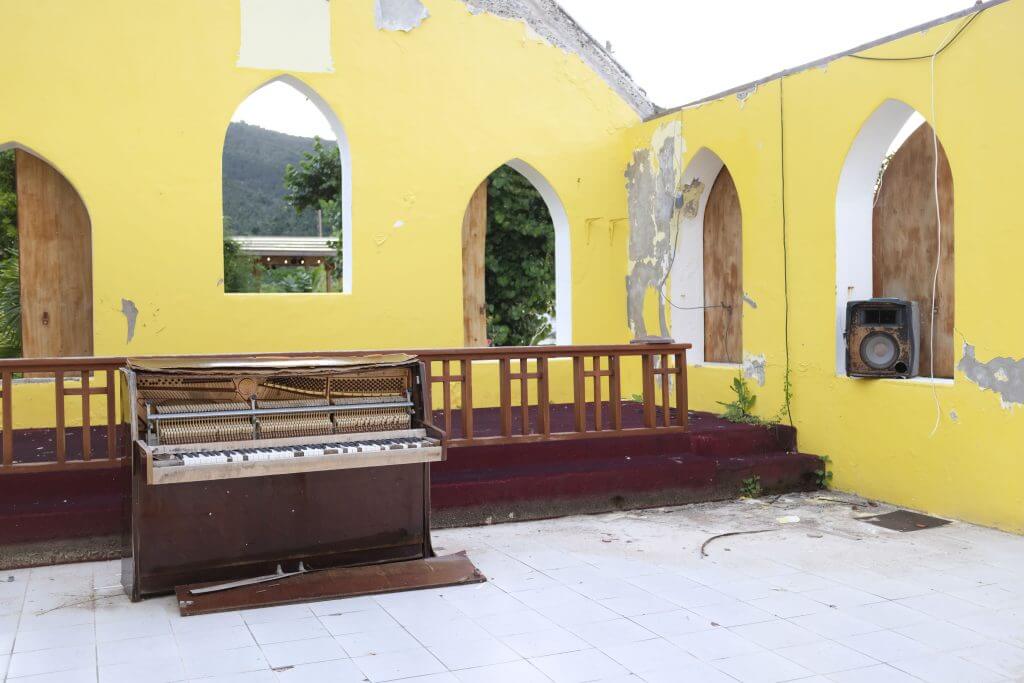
274	480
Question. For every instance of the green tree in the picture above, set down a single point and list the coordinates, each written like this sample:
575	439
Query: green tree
238	269
520	261
10	281
316	179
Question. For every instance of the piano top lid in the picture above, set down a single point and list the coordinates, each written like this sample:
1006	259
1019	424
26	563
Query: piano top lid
268	365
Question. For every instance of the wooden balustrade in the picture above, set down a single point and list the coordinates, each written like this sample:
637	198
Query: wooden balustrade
595	390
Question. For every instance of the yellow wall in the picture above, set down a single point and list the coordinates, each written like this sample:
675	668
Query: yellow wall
879	433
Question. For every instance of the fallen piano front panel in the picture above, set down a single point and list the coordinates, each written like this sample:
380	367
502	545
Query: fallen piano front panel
330	584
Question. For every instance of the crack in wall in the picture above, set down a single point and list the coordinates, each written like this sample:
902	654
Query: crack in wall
653	181
545	20
1004	376
400	15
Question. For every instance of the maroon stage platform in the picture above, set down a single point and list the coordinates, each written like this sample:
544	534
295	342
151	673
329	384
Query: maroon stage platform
48	517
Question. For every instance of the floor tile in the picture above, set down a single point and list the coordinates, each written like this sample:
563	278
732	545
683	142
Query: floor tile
49	661
357	622
577	667
473	654
887	646
230	638
367	643
761	667
636	605
219	662
843	597
343	605
513	623
1002	658
509	672
334	671
786	605
942	636
276	613
579	611
733	613
543	643
941	605
647	655
306	651
881	673
776	634
440	633
698	672
717	643
83	675
46	639
826	657
397	665
132	628
676	623
615	632
887	614
835	624
137	650
265	676
947	669
283	631
166	670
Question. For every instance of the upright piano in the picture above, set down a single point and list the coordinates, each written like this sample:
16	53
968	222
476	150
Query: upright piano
244	468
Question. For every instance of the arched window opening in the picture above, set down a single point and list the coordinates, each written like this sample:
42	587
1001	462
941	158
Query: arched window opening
707	272
515	261
888	240
286	194
45	260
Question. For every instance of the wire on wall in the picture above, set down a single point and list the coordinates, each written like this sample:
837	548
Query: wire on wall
787	385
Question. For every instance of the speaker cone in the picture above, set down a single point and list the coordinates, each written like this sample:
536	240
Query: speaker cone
879	350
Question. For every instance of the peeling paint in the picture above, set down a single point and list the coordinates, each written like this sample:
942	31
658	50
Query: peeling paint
546	22
749	301
1005	376
400	15
653	182
954	416
754	368
743	95
131	314
692	192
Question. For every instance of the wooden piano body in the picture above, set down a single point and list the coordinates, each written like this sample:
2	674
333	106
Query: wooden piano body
329	505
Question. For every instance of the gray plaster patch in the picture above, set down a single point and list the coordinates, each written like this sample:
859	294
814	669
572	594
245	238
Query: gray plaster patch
692	193
651	184
1005	376
131	313
749	301
754	368
544	19
400	15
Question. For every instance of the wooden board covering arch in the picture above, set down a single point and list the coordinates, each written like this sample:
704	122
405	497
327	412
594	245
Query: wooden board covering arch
904	241
723	272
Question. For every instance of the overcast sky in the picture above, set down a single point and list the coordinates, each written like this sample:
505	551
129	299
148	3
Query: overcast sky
682	50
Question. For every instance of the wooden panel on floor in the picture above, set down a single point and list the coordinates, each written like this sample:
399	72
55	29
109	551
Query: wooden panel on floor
904	241
474	238
55	251
329	584
723	273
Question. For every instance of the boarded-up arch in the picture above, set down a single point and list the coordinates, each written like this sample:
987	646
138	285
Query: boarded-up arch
55	258
904	241
723	273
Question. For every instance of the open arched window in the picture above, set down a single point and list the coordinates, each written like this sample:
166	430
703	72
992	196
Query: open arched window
286	194
516	261
707	272
45	260
894	228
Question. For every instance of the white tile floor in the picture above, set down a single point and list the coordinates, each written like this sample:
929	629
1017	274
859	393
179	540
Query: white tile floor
618	597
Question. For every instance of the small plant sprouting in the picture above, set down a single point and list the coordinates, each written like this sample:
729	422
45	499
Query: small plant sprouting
751	487
637	398
824	475
738	410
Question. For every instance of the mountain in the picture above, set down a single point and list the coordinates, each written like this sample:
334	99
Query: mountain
254	163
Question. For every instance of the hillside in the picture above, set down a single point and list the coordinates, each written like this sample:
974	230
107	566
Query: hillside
254	163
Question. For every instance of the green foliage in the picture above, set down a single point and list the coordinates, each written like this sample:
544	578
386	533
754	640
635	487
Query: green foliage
253	176
8	204
824	475
751	487
738	410
317	178
288	280
238	269
10	282
520	262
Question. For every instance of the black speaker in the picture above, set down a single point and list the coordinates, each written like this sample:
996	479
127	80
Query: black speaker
883	338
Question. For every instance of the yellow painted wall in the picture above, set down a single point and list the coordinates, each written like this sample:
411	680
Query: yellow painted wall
131	102
879	432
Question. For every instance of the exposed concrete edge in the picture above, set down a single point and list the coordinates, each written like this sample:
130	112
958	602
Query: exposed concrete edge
552	23
818	63
62	551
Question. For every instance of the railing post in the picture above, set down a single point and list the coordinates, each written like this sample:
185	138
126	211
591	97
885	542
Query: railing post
682	392
579	392
8	417
467	399
615	391
86	418
111	416
505	390
543	397
58	390
647	365
446	393
598	415
524	395
666	403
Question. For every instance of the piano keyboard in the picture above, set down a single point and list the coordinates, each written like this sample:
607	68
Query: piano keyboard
310	451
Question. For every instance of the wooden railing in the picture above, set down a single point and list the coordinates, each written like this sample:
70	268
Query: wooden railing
523	397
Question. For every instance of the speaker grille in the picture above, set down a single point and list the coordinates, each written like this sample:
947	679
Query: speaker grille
879	350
